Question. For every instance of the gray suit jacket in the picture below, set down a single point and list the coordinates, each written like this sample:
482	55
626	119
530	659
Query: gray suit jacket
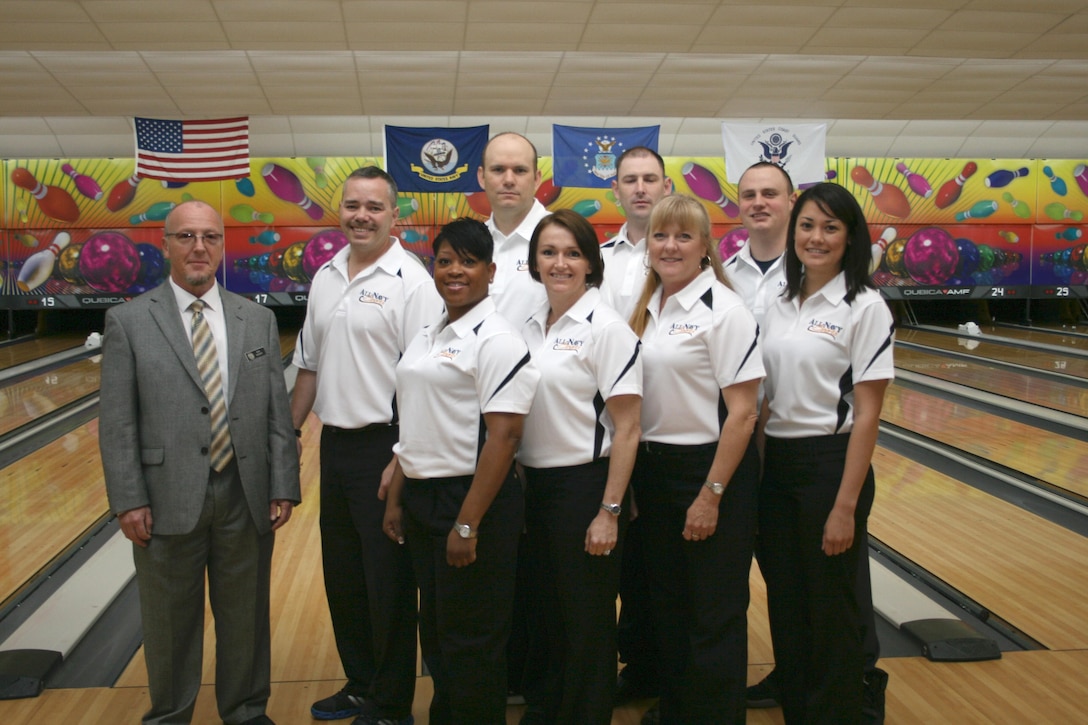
154	425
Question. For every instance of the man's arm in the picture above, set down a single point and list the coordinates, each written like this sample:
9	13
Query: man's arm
283	486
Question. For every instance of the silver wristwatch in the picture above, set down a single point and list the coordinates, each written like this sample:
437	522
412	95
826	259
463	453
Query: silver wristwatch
613	508
716	487
464	531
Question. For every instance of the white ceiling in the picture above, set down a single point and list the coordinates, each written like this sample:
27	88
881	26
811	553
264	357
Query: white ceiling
983	78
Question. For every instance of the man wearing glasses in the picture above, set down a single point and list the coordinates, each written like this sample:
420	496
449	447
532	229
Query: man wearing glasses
201	468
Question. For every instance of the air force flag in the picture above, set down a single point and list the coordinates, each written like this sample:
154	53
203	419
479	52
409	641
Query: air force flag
586	157
435	160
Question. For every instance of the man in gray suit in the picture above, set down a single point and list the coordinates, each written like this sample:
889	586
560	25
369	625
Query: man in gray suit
201	468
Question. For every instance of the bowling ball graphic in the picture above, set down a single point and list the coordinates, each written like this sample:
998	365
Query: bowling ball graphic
68	264
969	258
110	262
275	261
292	263
321	247
930	256
985	259
152	267
732	242
893	258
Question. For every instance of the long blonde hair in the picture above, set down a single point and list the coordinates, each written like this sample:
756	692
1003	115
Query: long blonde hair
688	214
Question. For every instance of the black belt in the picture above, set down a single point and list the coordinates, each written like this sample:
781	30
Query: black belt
365	429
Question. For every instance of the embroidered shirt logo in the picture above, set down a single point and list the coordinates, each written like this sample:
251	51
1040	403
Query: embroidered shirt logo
523	265
448	353
823	327
372	298
683	328
567	343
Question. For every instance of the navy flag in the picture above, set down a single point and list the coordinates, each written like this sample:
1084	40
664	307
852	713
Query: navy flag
435	160
586	157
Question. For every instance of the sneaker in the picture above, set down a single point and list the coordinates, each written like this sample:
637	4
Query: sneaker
764	693
872	710
365	720
337	707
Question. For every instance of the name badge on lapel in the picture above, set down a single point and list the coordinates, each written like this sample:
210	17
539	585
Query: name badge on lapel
254	354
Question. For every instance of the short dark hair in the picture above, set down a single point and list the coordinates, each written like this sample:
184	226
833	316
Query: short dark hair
467	238
639	151
768	164
536	157
837	202
373	172
584	237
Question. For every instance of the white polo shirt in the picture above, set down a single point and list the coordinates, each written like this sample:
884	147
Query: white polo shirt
817	351
450	375
589	355
758	290
704	340
356	330
516	295
625	272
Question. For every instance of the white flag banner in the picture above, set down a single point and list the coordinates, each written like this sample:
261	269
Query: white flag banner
796	147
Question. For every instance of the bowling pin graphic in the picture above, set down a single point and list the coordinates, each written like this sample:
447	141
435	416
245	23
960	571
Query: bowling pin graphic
1010	237
587	207
84	184
55	202
246	213
155	213
980	210
317	164
888	198
38	267
1080	175
951	189
1004	177
879	246
918	183
122	194
285	185
1071	234
407	206
1056	183
1020	208
1059	212
705	185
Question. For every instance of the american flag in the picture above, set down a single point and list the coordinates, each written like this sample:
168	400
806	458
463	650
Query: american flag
192	150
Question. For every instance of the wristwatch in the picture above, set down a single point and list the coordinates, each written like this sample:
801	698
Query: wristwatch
716	487
464	531
613	508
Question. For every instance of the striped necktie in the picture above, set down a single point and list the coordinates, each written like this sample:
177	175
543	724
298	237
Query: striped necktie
207	362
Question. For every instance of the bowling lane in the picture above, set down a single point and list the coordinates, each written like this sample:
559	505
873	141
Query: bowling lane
1073	364
1055	459
1039	335
1072	399
22	351
28	399
1026	570
51	498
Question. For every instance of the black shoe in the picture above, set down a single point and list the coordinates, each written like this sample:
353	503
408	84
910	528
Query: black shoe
872	711
631	689
337	707
364	720
764	693
259	720
651	716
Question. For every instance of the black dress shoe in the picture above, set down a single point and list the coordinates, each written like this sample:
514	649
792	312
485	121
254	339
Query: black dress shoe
764	693
259	720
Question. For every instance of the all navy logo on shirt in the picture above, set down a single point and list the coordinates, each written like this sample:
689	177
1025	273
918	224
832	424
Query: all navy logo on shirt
824	328
567	343
523	265
372	298
449	353
683	328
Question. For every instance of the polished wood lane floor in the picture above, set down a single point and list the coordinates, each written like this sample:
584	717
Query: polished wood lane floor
28	399
1074	363
21	351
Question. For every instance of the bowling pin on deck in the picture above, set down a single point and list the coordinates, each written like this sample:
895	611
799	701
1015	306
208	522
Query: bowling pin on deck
84	184
1019	208
918	183
705	185
950	190
1004	177
1057	184
285	185
122	193
888	198
55	202
38	267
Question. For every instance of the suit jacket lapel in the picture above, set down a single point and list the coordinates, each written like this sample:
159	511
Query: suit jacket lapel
167	316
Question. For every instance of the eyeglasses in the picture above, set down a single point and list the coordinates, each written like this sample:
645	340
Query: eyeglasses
210	239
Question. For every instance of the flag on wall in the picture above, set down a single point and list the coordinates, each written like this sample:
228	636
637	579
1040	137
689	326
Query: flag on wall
796	147
207	150
586	157
435	159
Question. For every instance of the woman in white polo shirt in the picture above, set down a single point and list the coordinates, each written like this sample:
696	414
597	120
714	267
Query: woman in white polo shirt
827	347
578	449
695	481
464	386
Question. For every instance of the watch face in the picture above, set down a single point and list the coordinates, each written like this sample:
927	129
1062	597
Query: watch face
613	508
715	487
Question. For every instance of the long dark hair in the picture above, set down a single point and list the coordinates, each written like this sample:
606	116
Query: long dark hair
837	202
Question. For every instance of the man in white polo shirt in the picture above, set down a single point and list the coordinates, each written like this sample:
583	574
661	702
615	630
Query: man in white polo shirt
510	177
639	184
366	304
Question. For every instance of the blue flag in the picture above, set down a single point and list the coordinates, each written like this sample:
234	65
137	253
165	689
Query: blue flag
435	159
586	157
